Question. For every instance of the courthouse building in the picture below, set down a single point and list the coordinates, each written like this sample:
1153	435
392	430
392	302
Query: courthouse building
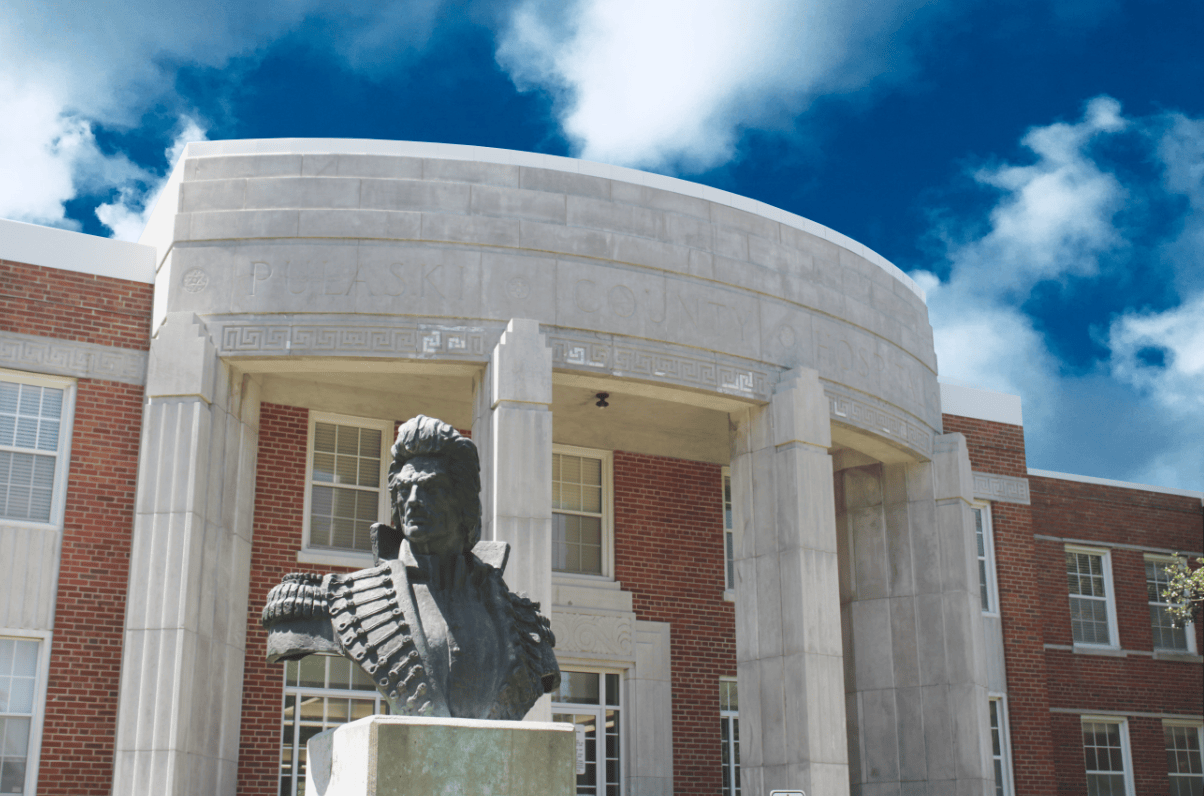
776	551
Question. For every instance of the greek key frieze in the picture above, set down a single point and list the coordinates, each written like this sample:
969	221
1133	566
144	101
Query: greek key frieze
1001	488
70	358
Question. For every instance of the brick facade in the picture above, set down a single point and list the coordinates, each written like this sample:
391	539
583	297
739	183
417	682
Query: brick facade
669	554
66	305
1050	686
85	661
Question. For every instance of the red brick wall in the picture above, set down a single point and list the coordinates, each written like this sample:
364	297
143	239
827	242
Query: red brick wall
1104	516
73	306
994	447
277	536
1018	579
85	661
669	554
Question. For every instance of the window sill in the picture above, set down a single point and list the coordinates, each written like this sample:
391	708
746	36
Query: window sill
1181	656
335	558
729	595
581	579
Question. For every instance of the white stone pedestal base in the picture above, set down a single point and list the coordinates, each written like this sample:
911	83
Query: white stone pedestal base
411	756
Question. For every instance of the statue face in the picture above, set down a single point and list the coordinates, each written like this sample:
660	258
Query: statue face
426	501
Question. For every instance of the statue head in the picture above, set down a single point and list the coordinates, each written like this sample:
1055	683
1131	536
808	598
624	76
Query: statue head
435	485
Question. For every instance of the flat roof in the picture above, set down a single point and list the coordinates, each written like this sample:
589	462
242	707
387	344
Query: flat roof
1087	479
979	403
49	247
423	149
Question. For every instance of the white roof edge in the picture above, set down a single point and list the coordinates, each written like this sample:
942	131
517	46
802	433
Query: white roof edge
49	247
1088	479
965	400
509	157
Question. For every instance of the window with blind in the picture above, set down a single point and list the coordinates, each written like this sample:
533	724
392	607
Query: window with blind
581	543
34	431
348	459
1092	612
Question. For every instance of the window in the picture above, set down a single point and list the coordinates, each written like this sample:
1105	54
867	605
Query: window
729	534
590	702
1000	749
986	559
1183	763
347	466
320	692
581	511
729	737
18	681
1166	635
34	432
1092	613
1106	756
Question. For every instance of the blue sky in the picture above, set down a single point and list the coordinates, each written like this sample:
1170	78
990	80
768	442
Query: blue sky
1037	165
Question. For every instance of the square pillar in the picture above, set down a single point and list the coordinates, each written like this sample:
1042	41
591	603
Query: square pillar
512	428
789	659
915	675
180	703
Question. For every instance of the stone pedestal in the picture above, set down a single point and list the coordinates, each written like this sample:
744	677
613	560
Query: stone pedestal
416	756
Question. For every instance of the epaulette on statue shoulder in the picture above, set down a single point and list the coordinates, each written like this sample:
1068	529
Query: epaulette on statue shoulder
299	596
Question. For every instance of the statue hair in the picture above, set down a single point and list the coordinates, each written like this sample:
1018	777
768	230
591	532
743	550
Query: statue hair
426	436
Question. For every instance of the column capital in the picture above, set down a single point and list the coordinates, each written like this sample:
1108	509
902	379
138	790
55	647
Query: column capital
183	359
952	476
800	410
520	367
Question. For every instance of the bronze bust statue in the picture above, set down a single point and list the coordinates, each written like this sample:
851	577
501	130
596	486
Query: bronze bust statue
432	623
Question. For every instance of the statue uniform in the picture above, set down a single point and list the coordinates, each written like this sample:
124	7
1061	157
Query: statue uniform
468	648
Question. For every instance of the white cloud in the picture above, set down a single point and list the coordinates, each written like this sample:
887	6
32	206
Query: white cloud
65	69
670	84
128	214
1057	217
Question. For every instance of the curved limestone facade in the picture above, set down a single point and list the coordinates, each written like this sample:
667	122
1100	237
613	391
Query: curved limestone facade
389	249
505	292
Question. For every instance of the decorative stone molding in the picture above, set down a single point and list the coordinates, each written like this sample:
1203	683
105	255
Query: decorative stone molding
879	418
659	363
1001	488
407	340
69	358
596	634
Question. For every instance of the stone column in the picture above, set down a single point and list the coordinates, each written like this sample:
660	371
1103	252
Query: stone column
915	673
512	428
185	627
788	647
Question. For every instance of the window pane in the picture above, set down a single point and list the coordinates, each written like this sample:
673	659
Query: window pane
579	688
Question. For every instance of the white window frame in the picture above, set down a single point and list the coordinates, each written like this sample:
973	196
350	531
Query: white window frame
729	534
1005	740
34	755
735	741
608	514
1125	749
58	500
988	543
1109	596
1189	723
309	554
1189	628
626	747
381	707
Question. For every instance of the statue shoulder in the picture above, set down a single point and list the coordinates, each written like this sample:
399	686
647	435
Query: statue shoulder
299	596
